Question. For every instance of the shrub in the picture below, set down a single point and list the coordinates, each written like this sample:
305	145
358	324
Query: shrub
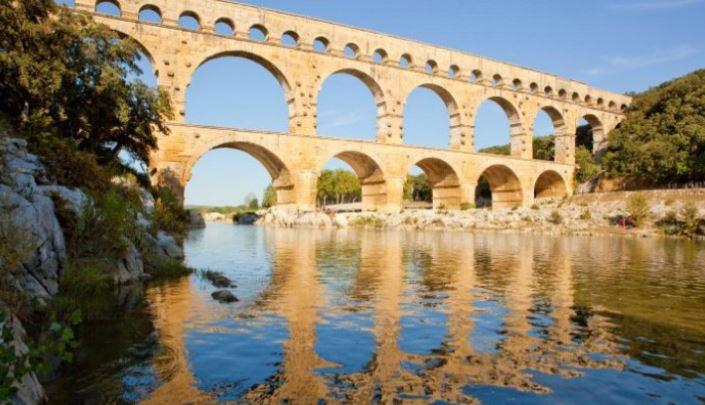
669	202
691	223
466	206
163	267
638	207
586	215
555	218
169	215
534	207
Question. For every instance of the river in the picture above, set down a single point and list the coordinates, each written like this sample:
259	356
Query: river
359	316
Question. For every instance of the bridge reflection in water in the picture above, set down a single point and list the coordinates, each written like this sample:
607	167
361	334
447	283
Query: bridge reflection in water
479	311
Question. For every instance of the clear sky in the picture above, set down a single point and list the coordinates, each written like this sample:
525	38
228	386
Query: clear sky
621	45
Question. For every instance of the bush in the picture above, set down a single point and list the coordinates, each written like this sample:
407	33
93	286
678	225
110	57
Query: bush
169	215
466	206
534	207
638	208
555	218
164	267
691	223
586	215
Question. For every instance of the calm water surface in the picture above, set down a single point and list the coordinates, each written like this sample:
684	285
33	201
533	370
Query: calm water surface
376	316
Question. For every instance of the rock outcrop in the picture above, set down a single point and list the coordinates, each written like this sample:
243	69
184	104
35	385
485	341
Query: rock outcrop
32	245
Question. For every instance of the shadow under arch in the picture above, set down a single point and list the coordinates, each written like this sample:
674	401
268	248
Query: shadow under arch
444	182
369	82
550	184
513	116
370	175
504	185
275	166
596	133
263	62
450	104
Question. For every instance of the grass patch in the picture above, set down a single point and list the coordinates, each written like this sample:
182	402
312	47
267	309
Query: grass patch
163	267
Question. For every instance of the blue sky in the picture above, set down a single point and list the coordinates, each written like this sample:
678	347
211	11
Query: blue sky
621	45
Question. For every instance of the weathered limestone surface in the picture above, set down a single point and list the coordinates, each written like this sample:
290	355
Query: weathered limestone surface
294	159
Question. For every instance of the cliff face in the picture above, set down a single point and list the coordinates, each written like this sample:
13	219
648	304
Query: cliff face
33	253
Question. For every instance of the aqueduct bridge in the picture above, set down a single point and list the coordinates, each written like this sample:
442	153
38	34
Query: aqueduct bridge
391	68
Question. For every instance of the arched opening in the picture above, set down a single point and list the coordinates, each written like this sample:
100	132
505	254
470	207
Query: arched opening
351	181
453	71
498	187
431	67
108	7
351	51
548	125
216	94
549	185
225	27
258	33
432	183
380	56
151	14
430	114
476	76
497	81
189	20
290	39
517	84
496	121
234	174
320	44
349	103
589	134
405	61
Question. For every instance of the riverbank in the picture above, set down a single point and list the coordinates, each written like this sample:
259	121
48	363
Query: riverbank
604	213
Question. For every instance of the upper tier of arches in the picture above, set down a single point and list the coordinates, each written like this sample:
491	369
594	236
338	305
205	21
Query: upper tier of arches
301	33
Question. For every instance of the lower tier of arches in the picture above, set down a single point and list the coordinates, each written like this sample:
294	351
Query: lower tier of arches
457	180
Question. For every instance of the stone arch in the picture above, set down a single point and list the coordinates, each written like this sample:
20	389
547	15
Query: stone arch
292	36
444	182
152	8
504	185
281	177
370	175
559	132
258	28
513	116
127	36
115	3
266	64
372	85
597	132
228	22
451	107
550	184
191	14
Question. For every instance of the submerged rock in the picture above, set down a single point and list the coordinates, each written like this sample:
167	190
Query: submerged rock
218	279
224	296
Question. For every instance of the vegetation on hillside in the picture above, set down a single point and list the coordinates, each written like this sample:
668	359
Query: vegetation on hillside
662	139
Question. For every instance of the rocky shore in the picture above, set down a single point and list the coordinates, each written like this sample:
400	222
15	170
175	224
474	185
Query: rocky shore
577	215
33	246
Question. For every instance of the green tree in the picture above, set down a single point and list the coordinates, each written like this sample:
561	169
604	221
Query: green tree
663	138
338	187
417	188
269	199
64	80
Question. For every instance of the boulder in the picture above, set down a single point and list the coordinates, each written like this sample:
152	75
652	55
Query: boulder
73	198
130	267
196	220
224	296
169	247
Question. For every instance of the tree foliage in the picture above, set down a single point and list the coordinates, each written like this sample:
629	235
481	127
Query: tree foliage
269	199
64	84
417	188
338	187
663	138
